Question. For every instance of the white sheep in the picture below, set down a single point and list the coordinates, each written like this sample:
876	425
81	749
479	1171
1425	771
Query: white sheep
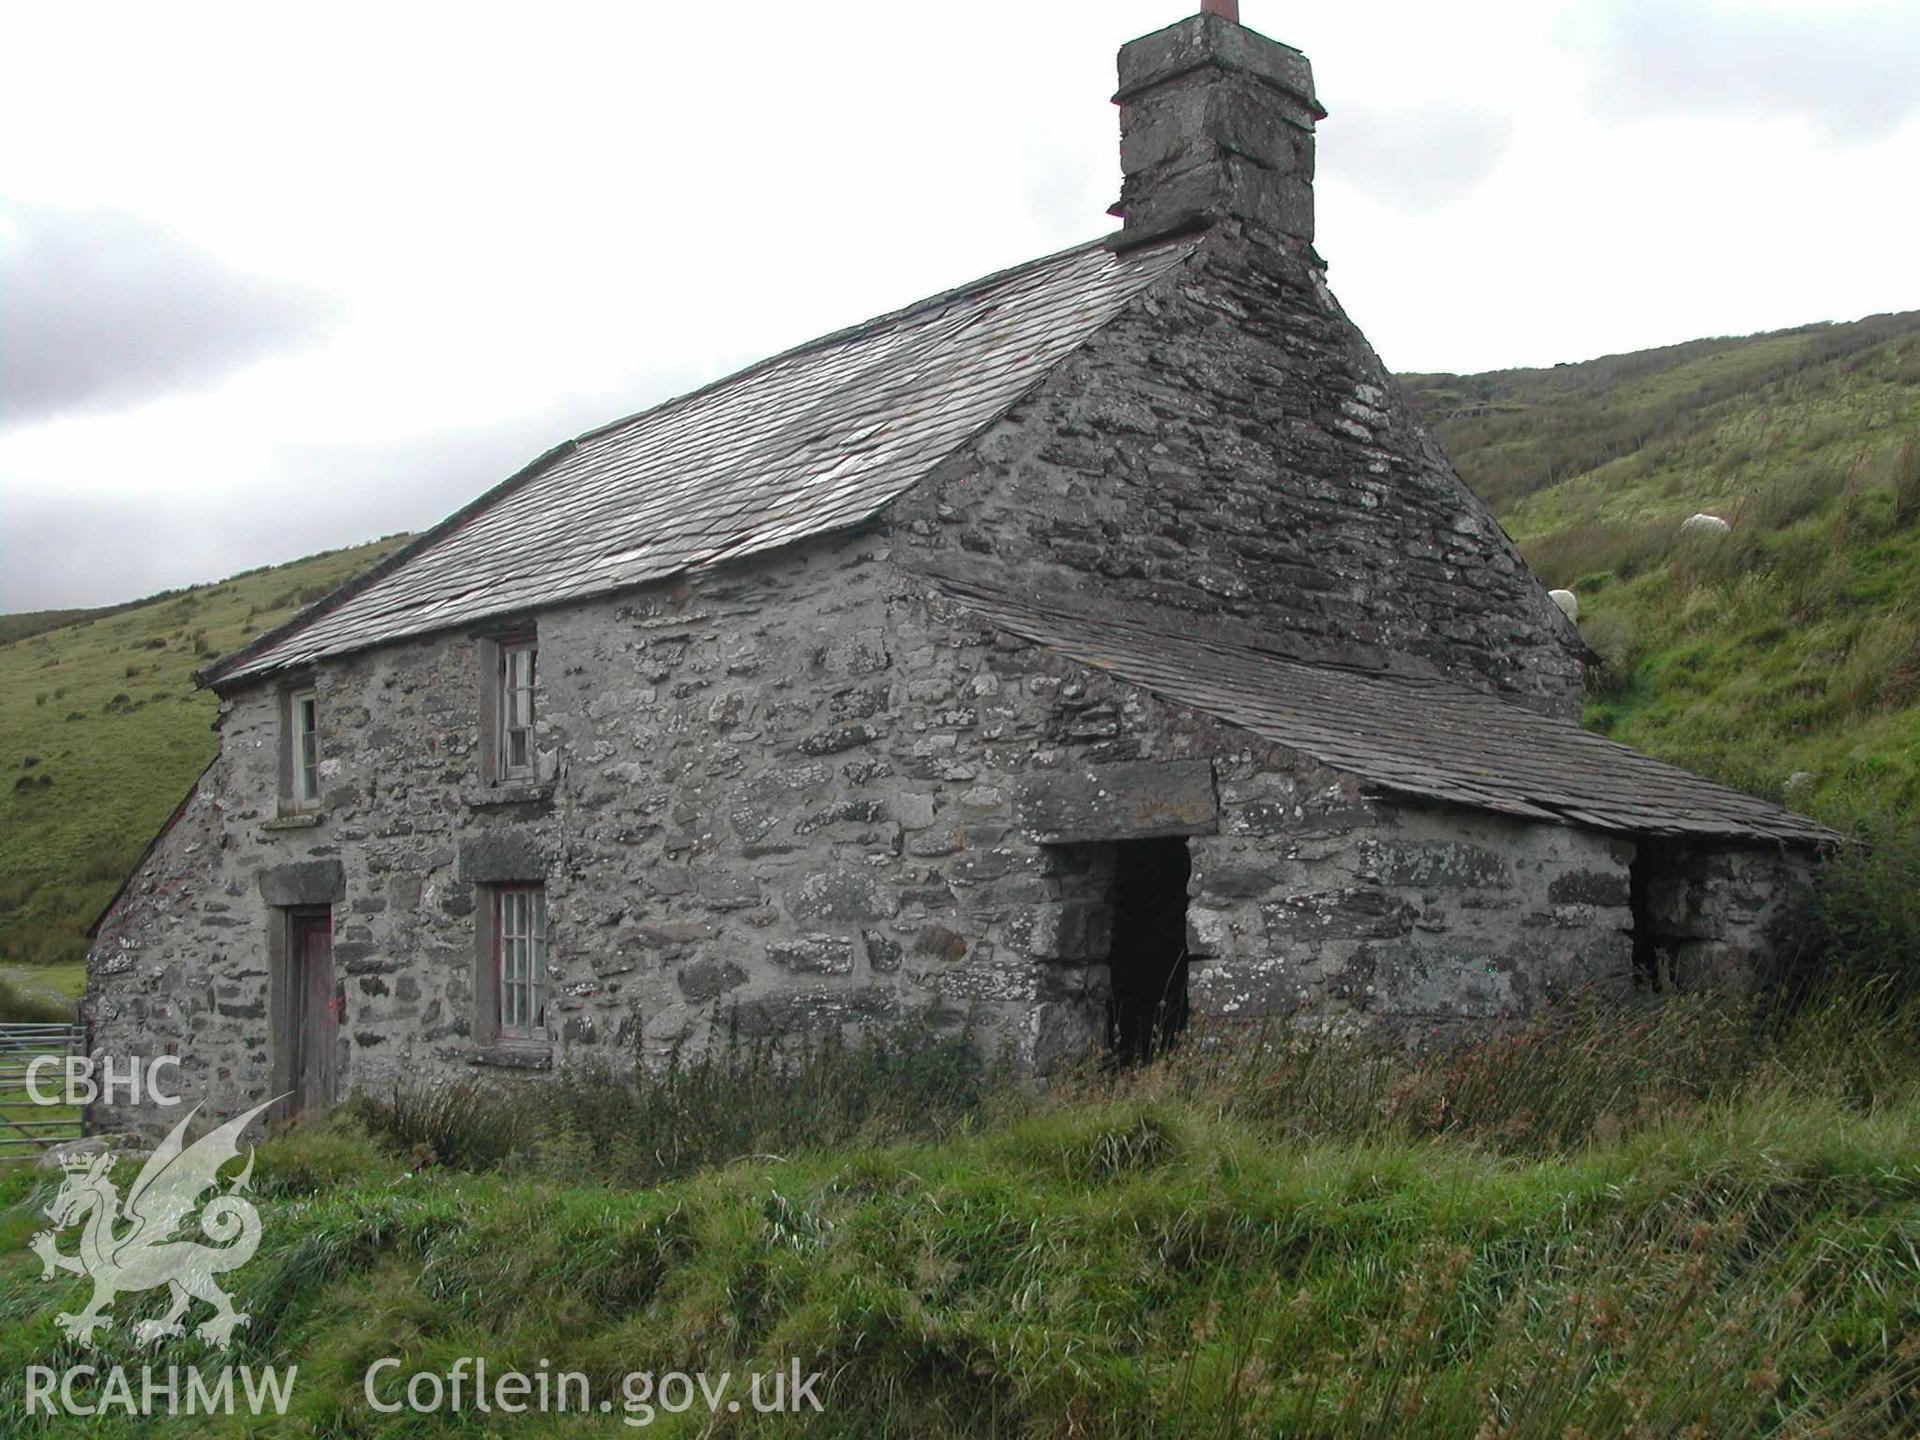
1568	602
1704	525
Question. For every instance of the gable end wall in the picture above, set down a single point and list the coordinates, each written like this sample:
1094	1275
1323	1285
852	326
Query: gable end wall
1230	446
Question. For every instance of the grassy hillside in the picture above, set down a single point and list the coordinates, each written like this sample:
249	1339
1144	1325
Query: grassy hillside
1790	645
38	622
101	732
1645	1222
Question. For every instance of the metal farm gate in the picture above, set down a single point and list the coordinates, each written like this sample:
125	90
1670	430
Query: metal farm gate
25	1125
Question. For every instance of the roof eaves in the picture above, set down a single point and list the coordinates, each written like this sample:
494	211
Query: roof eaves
236	666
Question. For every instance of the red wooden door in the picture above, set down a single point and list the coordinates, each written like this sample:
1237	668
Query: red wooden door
315	1012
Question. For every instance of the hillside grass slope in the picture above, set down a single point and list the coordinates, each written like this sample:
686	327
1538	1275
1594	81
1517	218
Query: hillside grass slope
1791	645
1659	1221
102	732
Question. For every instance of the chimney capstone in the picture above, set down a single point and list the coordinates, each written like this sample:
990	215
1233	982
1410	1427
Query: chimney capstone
1216	123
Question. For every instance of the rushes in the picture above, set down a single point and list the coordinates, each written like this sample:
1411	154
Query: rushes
21	1004
1672	1219
1882	669
736	1098
1589	1071
1905	466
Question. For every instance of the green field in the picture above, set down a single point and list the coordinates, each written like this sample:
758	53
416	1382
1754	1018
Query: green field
1790	645
46	982
101	733
1659	1221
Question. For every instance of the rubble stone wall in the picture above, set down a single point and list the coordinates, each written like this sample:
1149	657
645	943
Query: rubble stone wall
1722	919
1422	918
1231	447
807	792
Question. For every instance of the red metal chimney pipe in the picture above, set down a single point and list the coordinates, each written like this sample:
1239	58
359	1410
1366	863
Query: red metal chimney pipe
1226	9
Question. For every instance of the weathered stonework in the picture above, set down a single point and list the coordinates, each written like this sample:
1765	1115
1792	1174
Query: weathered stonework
800	794
1416	915
1184	458
1722	919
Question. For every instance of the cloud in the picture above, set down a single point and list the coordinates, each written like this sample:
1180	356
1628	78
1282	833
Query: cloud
252	506
100	308
1847	68
1415	159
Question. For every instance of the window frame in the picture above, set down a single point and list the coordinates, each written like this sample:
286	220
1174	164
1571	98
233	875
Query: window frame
500	654
525	1023
299	732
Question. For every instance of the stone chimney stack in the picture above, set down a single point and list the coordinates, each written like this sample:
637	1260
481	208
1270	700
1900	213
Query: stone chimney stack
1216	123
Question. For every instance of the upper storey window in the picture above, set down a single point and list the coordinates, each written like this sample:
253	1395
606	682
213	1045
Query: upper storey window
510	709
300	750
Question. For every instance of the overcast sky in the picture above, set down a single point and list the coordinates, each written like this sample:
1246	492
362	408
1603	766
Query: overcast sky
275	279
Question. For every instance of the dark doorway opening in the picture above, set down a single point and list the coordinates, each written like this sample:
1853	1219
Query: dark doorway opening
1149	953
1657	867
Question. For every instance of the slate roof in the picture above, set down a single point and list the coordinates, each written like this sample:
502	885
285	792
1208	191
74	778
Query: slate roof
811	441
1415	735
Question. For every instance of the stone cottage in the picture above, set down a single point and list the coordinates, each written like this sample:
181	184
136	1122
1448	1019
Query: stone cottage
1094	644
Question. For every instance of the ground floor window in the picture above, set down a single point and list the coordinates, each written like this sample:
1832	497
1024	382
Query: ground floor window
520	959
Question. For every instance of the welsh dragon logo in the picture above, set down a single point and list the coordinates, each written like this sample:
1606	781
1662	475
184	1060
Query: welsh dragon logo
136	1246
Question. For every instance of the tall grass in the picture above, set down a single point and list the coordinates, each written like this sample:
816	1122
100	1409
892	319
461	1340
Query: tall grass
734	1098
1665	1219
1882	668
1906	484
1867	911
1590	1070
1577	556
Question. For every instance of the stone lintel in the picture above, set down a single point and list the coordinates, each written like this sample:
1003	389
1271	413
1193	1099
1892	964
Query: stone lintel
304	882
1129	800
503	857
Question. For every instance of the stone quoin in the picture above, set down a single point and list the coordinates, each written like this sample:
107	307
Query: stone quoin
1098	644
